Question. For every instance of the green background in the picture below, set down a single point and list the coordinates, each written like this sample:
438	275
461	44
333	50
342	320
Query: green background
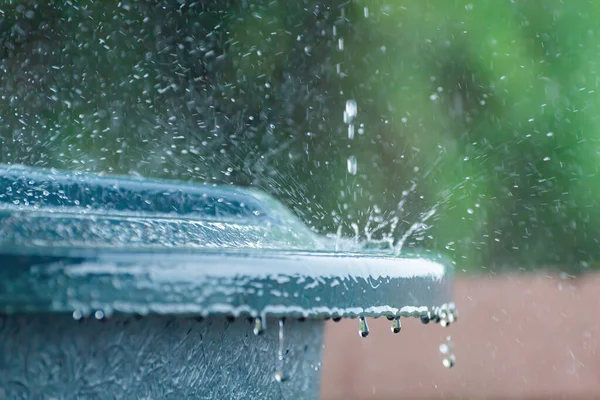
479	124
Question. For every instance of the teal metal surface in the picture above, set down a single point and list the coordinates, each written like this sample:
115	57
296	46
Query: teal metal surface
74	242
118	287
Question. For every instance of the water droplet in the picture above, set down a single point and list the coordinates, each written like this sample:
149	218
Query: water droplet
99	314
351	131
280	374
446	349
351	108
425	318
259	327
449	361
341	44
77	315
363	328
366	11
352	165
396	325
470	210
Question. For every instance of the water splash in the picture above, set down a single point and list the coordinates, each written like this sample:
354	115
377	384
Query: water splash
414	228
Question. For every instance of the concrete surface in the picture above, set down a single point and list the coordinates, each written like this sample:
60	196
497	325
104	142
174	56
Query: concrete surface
518	336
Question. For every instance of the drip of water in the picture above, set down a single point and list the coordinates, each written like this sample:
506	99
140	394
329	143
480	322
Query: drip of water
447	314
363	328
280	374
259	327
352	167
396	325
446	349
351	111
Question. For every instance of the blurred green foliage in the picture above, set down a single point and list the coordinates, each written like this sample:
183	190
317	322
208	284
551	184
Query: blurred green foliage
486	112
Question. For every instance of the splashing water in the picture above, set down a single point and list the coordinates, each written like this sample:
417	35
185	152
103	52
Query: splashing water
352	165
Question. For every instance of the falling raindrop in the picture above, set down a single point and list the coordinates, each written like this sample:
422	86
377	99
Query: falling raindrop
280	374
351	131
396	325
259	327
363	328
351	111
341	44
446	349
352	167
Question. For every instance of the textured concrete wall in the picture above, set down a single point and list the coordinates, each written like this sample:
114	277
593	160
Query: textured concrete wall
518	336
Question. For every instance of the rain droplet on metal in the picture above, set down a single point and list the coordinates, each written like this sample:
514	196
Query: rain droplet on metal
77	315
259	327
99	314
363	328
280	374
396	325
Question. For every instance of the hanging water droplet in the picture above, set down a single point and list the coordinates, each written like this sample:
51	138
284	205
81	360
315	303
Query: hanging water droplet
396	325
351	164
446	317
363	328
446	349
280	374
77	315
258	326
99	314
452	312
